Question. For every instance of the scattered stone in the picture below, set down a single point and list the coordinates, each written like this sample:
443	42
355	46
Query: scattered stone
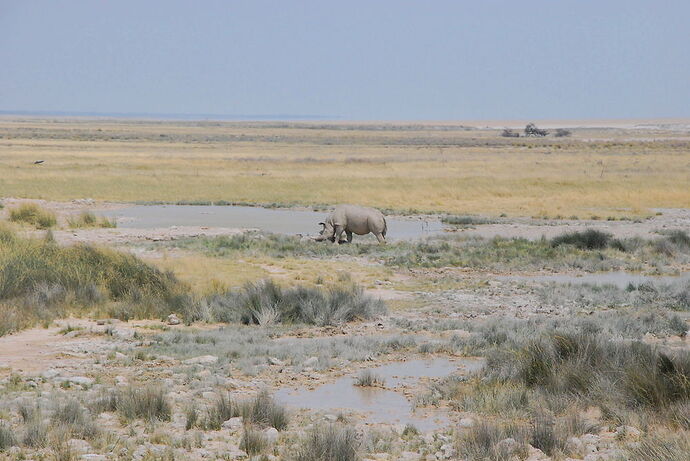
331	418
201	360
275	361
628	432
100	322
466	422
232	423
173	320
311	362
271	434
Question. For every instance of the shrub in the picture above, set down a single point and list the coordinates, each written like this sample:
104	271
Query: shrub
72	417
481	441
42	276
261	411
147	403
7	437
266	302
367	378
532	130
88	219
32	214
329	442
585	364
253	441
590	239
465	220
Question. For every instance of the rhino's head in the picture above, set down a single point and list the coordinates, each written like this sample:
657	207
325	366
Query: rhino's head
327	232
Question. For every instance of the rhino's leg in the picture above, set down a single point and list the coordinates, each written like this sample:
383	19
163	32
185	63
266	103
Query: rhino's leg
349	236
380	238
338	233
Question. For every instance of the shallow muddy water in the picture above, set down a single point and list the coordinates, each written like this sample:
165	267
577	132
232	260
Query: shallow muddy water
268	220
619	279
382	405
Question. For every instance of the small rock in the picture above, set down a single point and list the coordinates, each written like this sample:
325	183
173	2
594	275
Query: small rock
233	423
100	322
311	362
81	380
271	434
628	432
201	360
275	361
331	418
173	320
466	422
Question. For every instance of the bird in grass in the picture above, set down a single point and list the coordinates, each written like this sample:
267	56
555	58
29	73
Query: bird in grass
38	162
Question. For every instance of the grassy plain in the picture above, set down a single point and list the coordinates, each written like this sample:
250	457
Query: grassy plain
437	168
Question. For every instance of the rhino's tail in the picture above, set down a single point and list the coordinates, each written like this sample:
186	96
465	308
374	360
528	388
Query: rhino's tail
385	227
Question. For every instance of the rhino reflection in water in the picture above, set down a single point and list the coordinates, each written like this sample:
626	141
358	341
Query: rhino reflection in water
353	219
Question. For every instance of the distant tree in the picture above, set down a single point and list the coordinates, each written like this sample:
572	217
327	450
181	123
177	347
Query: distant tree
508	133
532	130
562	133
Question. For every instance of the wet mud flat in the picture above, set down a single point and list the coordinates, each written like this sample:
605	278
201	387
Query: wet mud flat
386	404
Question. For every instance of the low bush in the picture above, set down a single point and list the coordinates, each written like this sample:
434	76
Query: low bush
253	441
261	411
590	239
328	442
265	303
88	219
7	437
45	279
465	220
588	365
367	378
72	417
147	403
34	215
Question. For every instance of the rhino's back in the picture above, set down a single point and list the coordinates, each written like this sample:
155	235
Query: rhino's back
360	220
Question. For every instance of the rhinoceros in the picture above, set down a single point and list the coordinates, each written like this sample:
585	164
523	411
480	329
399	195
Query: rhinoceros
353	219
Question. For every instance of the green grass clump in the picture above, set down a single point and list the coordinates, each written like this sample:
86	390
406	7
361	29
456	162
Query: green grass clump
327	442
266	302
253	441
465	220
34	215
367	378
47	280
261	411
88	219
620	375
147	403
7	437
72	417
590	239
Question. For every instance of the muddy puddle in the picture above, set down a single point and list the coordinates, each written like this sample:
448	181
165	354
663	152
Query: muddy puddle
386	405
618	279
278	221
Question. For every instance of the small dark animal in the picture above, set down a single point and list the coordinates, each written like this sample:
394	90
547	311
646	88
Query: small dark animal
38	162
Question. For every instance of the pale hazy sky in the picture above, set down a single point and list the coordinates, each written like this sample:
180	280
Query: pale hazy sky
374	59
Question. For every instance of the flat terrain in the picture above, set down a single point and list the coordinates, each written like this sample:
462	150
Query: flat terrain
480	342
445	167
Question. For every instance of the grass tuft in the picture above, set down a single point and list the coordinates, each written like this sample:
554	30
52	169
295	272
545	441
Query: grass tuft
34	215
590	239
329	442
266	303
88	219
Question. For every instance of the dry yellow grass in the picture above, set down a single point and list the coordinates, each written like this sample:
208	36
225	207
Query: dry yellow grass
599	172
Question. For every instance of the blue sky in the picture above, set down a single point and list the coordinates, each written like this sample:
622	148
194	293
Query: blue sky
383	59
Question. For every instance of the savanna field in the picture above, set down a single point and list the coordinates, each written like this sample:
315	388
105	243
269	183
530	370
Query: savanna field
546	319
